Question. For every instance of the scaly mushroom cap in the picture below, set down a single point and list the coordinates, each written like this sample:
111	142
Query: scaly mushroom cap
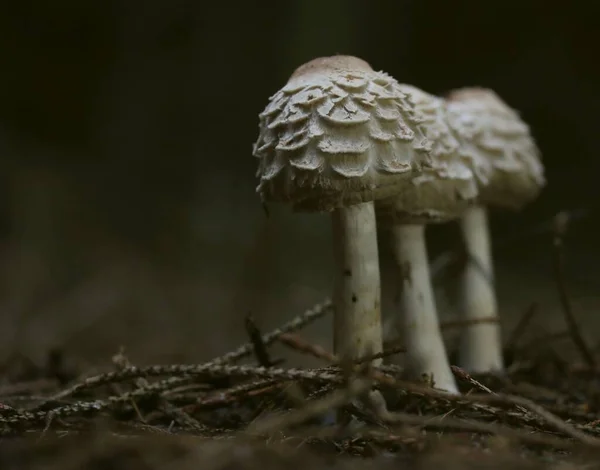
497	145
337	134
443	191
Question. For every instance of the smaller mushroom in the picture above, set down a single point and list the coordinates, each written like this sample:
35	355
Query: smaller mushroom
335	138
497	145
442	192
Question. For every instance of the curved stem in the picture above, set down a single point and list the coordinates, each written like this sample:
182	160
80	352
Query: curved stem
480	346
426	353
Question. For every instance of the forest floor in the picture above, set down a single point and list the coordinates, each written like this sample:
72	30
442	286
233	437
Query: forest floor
245	409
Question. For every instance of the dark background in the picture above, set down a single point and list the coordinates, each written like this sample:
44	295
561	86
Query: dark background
128	214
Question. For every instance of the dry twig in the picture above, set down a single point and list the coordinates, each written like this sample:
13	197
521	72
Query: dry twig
561	222
295	324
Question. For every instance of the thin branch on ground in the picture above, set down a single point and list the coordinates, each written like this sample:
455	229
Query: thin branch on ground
521	326
258	345
295	324
458	424
561	223
334	400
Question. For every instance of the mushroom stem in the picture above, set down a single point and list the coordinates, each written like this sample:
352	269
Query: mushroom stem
480	346
426	353
357	289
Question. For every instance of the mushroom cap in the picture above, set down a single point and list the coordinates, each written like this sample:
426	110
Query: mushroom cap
445	189
497	145
337	134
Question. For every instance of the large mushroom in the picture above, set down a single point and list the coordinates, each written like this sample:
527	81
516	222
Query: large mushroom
334	139
497	145
442	192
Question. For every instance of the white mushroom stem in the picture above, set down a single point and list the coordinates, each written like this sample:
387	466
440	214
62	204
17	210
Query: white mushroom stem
481	347
357	287
425	349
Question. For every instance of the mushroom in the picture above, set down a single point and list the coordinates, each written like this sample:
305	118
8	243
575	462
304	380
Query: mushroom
498	146
334	139
441	193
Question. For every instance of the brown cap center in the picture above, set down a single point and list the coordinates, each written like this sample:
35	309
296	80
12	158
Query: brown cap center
342	63
472	93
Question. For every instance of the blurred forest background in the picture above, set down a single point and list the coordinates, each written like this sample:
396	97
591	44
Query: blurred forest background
128	212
